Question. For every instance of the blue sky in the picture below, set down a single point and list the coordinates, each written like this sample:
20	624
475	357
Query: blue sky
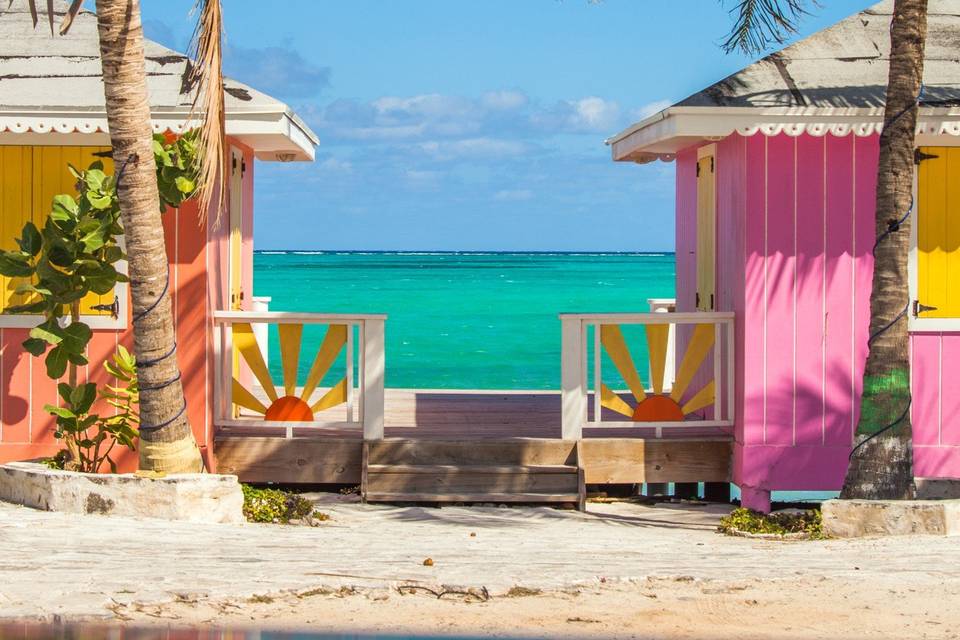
469	125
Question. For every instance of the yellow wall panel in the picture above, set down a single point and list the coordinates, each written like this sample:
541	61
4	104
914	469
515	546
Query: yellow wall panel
29	179
938	233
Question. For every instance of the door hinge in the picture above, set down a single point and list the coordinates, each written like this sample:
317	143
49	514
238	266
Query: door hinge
919	156
698	169
243	167
711	302
919	308
696	301
711	164
113	308
234	164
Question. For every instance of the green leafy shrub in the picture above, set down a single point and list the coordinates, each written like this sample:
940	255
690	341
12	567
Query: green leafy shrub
743	520
274	505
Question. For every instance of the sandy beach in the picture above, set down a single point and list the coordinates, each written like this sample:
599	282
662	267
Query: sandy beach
619	571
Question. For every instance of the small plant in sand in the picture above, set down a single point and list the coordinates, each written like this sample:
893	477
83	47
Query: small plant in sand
742	520
276	506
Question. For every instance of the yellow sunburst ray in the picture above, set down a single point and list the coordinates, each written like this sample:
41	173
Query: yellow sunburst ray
612	340
336	395
699	346
612	401
247	400
330	348
658	336
703	398
290	335
246	343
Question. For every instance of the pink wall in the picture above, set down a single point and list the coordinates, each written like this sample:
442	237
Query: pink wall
796	216
935	367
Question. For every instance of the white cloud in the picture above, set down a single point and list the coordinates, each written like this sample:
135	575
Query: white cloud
594	114
335	165
649	109
474	148
504	100
513	195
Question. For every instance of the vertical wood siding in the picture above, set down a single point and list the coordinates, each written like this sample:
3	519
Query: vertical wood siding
801	209
197	284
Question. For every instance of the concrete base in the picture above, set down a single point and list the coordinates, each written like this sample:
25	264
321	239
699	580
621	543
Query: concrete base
857	518
193	497
937	488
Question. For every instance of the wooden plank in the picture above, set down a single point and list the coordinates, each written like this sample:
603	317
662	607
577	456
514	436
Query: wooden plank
473	497
309	461
626	461
492	469
463	481
462	452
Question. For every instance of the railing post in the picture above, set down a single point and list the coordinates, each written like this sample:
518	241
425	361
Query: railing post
372	374
573	379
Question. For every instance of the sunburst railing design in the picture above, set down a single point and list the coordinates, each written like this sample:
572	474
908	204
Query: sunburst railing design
699	396
282	402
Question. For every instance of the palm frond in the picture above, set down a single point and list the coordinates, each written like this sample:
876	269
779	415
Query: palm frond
206	78
72	12
760	23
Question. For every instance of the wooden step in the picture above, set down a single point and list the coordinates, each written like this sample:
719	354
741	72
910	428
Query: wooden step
531	498
466	480
491	469
518	451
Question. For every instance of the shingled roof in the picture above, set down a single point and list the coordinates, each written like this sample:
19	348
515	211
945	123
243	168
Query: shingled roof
834	78
54	83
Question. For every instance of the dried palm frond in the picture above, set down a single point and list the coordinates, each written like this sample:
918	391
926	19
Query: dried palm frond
206	78
72	12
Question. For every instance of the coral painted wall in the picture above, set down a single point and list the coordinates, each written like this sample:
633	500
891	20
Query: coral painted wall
197	252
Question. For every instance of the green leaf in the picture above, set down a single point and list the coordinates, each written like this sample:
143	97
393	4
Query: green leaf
185	185
62	412
64	207
99	200
30	239
75	337
49	332
35	346
14	264
94	179
77	359
56	363
64	390
33	307
82	397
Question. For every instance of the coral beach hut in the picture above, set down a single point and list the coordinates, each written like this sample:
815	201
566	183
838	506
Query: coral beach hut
775	192
51	114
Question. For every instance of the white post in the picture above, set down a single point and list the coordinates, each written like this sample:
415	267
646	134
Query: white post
667	305
261	331
349	373
573	382
218	391
374	366
719	388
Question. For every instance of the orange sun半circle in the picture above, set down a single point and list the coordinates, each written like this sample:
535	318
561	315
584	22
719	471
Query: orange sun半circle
289	409
658	409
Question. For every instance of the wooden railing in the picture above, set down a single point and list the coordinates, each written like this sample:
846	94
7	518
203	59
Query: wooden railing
246	394
699	396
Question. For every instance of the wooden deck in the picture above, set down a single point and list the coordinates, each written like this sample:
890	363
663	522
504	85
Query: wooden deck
465	436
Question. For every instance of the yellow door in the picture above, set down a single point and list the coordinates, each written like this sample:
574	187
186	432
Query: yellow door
706	234
237	167
938	233
30	176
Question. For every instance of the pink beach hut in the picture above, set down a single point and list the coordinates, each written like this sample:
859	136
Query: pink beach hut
775	191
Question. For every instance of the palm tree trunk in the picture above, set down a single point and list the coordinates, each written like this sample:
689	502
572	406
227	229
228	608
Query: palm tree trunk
166	440
882	467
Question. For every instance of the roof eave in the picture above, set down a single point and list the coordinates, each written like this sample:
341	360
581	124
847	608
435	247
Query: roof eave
667	132
274	134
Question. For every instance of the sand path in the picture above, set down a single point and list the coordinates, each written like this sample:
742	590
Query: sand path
620	570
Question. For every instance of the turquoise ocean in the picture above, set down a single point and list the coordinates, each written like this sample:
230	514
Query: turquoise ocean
465	320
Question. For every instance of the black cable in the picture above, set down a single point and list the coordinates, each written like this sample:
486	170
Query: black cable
886	428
